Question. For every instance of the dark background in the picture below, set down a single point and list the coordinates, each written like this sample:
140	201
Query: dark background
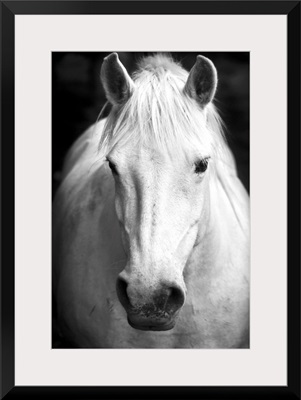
78	96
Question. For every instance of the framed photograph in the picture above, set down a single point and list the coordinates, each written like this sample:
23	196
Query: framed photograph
150	199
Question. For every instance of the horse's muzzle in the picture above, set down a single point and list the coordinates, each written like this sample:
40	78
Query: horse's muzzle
150	325
156	312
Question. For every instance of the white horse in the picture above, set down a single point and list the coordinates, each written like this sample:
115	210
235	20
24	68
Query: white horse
151	223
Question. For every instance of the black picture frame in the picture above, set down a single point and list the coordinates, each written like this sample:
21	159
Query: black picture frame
9	9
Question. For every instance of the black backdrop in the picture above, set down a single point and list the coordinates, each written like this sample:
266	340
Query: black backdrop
78	96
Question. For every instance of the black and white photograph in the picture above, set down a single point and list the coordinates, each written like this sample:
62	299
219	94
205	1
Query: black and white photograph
150	189
150	185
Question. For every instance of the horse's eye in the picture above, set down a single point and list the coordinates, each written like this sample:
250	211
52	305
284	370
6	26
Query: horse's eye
201	165
113	168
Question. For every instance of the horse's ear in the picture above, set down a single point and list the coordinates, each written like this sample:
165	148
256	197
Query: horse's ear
202	81
116	81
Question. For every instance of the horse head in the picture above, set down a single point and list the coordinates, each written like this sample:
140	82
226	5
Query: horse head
159	153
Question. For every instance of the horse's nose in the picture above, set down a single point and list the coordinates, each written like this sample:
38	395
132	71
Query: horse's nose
168	298
121	287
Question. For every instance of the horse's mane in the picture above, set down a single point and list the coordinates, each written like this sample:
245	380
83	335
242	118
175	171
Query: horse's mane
158	113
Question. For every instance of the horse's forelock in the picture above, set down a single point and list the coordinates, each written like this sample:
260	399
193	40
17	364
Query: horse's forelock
158	113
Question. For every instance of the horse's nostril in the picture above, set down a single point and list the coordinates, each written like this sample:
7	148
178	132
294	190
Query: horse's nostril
175	300
168	299
121	287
